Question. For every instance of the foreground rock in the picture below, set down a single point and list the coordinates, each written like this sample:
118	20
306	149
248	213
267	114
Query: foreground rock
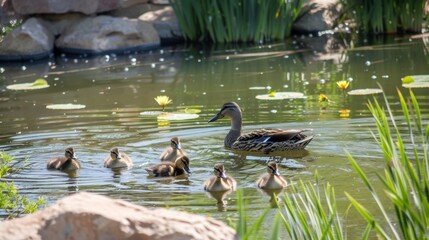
90	216
32	40
27	7
104	34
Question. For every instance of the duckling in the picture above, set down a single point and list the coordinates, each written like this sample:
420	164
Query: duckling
117	159
67	163
219	181
174	151
271	179
262	140
167	168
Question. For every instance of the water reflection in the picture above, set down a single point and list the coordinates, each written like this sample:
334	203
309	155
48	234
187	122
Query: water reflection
220	196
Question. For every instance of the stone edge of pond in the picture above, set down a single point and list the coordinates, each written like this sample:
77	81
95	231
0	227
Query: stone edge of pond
25	57
143	47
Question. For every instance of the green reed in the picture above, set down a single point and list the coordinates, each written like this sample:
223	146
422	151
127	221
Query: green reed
236	21
310	213
386	16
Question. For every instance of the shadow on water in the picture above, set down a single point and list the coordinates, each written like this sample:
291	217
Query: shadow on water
116	89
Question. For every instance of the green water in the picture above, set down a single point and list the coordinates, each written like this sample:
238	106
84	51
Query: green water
116	89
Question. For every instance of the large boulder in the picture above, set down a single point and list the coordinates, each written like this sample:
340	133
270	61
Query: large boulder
104	34
129	3
31	40
90	216
165	22
26	7
134	11
317	15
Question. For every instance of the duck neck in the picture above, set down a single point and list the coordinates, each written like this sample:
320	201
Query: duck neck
234	132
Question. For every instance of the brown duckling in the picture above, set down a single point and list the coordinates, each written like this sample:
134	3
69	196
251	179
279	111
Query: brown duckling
271	179
168	169
219	181
67	163
174	151
117	159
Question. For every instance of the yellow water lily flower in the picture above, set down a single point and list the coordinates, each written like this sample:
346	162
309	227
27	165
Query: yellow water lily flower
343	84
323	98
163	101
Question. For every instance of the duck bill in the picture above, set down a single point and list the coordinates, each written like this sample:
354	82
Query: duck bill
276	173
74	156
187	170
222	175
216	117
179	146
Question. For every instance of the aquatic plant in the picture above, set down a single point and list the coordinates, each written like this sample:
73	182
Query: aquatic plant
343	84
13	203
236	21
304	215
386	16
163	101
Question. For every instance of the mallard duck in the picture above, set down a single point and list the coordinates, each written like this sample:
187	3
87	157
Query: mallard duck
271	179
168	169
67	163
117	159
174	151
263	140
219	181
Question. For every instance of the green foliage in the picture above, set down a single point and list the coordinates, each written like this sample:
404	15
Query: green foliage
236	21
11	201
405	180
386	16
9	27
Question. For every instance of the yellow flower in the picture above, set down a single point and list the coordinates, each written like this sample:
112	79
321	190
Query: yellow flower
343	84
163	101
323	98
272	94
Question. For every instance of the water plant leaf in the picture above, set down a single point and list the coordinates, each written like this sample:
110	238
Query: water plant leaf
420	81
38	84
281	96
366	91
151	113
65	106
177	116
407	80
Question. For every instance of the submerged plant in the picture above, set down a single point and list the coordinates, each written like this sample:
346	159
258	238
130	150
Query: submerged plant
163	101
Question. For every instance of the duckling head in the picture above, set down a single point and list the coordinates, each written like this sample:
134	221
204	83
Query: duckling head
175	143
272	168
69	153
230	110
219	171
114	153
183	163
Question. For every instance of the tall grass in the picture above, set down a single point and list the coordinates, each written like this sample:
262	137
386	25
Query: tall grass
309	213
236	21
386	16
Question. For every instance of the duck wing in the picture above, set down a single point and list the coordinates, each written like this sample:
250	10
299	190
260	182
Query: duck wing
274	135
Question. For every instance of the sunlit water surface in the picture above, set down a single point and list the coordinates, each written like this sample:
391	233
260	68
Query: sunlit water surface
116	89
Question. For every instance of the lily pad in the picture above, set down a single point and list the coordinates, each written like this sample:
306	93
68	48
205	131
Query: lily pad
66	106
190	110
257	88
38	84
177	116
420	81
151	113
366	91
281	96
407	80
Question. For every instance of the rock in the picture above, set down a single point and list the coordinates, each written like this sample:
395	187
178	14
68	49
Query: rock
27	7
130	3
91	216
317	15
160	2
134	11
103	34
32	40
165	22
59	23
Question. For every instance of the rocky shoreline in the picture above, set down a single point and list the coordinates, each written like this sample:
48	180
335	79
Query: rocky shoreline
112	26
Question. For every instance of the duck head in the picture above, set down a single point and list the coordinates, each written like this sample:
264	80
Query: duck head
219	171
114	153
229	110
69	153
175	143
183	163
272	168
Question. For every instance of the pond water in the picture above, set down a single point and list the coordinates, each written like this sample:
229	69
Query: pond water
116	89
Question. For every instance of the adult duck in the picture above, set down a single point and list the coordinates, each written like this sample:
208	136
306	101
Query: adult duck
262	140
